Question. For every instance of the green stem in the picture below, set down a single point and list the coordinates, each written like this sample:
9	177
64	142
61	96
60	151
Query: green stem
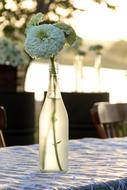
53	72
45	138
54	112
44	151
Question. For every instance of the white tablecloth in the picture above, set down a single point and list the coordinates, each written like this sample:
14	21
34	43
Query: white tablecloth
93	164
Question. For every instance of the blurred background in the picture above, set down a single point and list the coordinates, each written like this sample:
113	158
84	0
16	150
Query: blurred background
96	63
95	22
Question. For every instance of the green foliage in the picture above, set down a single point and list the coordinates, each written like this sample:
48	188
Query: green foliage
110	6
76	47
35	20
11	53
13	17
69	32
97	48
66	5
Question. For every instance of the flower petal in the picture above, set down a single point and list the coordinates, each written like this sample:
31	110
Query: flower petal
44	41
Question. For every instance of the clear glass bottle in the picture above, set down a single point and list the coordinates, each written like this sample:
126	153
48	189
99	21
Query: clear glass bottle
78	64
53	128
97	66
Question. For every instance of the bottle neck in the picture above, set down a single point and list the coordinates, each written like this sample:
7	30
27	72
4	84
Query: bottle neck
53	88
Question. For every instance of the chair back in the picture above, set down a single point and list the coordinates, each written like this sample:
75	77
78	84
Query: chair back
109	119
3	125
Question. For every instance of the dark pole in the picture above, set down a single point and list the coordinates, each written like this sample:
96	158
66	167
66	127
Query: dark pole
43	5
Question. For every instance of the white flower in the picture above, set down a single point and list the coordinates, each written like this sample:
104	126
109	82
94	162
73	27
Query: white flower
44	41
11	53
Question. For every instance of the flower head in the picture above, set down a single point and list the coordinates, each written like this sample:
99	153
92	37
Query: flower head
44	40
11	53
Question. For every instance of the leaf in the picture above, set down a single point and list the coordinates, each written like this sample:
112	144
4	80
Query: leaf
69	32
113	7
77	43
58	142
35	20
81	52
96	47
98	1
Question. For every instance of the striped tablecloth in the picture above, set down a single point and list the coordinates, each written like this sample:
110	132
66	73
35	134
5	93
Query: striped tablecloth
94	164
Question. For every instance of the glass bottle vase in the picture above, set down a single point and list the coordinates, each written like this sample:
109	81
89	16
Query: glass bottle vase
78	64
97	66
53	128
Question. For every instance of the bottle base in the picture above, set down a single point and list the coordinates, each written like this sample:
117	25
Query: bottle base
53	171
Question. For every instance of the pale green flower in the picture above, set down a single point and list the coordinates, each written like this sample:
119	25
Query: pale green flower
44	41
11	53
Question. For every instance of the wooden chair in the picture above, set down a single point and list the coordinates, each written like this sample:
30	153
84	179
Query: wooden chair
110	120
3	125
